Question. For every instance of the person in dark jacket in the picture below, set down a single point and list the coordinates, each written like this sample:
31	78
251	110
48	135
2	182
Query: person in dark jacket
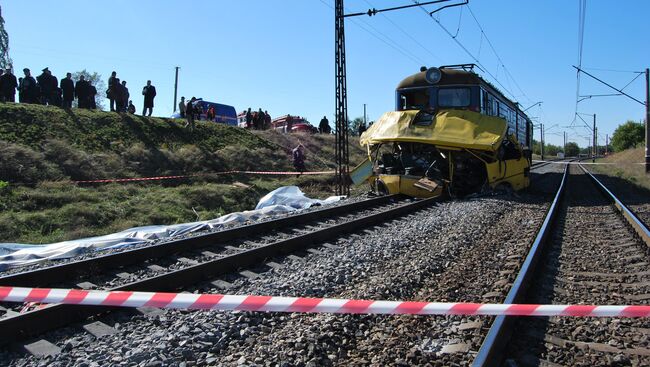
81	90
8	85
112	83
181	107
47	84
125	95
249	118
28	87
92	92
189	113
267	120
117	93
149	93
131	108
298	155
324	126
67	86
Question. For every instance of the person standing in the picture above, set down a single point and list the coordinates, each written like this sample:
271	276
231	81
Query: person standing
92	92
116	94
8	87
289	124
249	118
324	126
47	84
189	113
112	83
28	87
181	107
81	91
67	86
125	96
211	114
298	154
149	93
267	120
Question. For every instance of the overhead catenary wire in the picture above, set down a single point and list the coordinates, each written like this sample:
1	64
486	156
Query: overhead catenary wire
407	34
582	11
464	48
386	40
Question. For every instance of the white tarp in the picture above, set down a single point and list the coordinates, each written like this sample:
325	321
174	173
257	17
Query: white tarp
280	201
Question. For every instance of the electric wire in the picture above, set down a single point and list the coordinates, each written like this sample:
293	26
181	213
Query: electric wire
394	45
474	58
407	34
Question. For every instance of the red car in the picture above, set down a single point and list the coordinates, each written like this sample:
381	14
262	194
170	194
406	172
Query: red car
298	124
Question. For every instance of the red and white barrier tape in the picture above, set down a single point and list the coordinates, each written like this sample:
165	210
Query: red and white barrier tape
156	178
300	304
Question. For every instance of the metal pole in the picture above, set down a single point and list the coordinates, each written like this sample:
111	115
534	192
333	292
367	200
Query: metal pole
176	87
365	123
541	140
564	149
593	143
341	141
647	120
606	144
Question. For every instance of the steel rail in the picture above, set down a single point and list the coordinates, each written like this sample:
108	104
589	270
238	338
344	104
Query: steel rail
66	272
639	227
499	334
50	317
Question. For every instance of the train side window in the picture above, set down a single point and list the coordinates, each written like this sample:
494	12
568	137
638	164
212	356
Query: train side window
454	97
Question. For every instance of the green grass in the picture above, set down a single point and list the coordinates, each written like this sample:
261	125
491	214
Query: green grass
43	148
625	165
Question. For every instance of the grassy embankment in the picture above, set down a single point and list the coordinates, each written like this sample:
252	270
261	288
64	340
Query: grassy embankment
42	149
625	165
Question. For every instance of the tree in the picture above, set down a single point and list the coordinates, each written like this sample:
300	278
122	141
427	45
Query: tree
353	126
572	149
5	60
96	80
628	135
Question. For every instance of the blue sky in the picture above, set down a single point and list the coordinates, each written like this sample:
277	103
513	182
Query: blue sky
279	55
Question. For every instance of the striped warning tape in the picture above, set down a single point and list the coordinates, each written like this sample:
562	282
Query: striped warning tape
301	304
586	163
156	178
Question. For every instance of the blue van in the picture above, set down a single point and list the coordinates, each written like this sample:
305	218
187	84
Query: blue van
224	114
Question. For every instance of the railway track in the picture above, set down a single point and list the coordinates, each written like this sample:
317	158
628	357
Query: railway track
176	264
590	250
477	270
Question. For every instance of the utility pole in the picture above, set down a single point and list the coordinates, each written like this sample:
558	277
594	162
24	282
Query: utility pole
541	140
176	87
364	115
341	138
564	149
606	144
647	120
593	146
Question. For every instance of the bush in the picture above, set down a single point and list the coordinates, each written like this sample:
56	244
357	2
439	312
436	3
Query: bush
20	164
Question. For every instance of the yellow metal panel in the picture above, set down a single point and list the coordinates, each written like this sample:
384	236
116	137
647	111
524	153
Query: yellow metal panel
453	128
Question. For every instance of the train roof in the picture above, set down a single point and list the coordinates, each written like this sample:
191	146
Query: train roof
451	76
448	77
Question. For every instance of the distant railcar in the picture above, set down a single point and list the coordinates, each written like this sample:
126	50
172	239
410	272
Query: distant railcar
451	132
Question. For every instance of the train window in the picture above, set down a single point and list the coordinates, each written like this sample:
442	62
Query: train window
454	97
414	99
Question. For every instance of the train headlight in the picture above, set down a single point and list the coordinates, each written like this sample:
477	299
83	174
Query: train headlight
433	75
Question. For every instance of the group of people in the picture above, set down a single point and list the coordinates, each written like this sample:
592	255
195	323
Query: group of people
45	89
258	120
118	95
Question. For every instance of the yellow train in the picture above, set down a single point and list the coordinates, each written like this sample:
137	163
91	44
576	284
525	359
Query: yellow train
452	133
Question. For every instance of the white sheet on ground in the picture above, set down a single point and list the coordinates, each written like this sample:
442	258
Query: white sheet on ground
280	201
